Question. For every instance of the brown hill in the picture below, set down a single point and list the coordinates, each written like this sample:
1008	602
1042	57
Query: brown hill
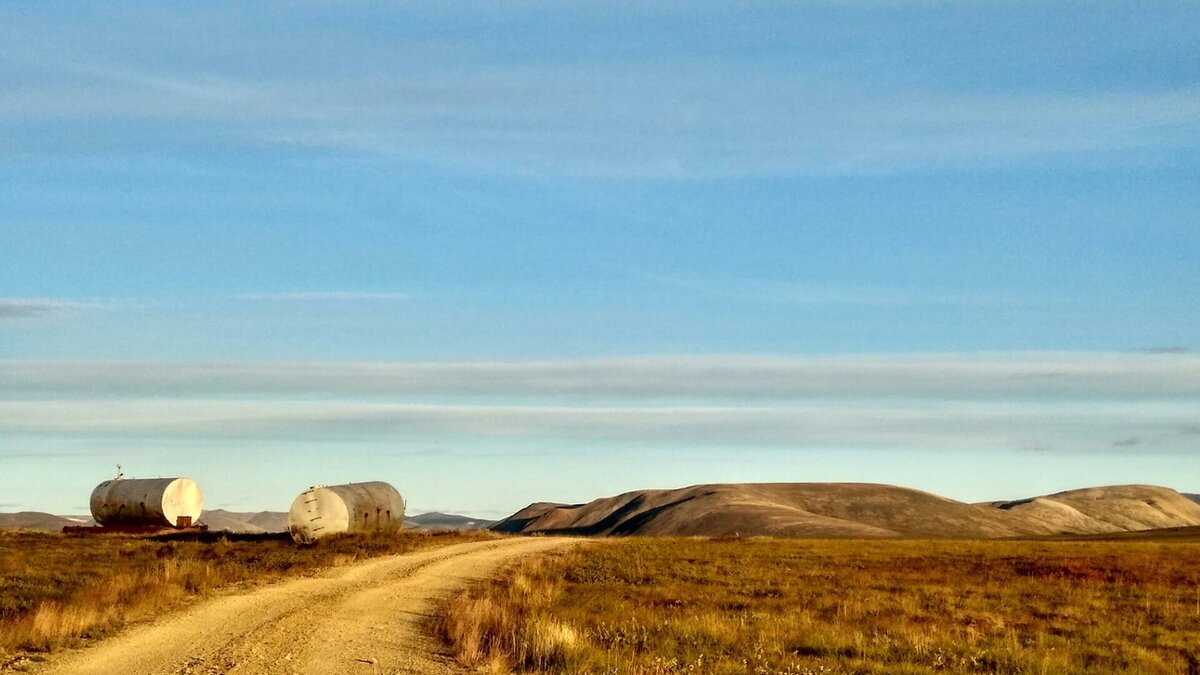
446	521
220	520
1099	510
245	523
855	510
275	521
230	521
34	520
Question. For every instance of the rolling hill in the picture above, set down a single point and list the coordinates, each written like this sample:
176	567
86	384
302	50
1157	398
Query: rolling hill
446	521
245	523
35	520
855	510
784	509
275	521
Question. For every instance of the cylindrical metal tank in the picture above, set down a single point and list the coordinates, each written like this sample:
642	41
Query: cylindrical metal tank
167	502
323	510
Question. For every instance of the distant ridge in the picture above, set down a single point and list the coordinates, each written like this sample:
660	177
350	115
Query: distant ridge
275	521
447	521
35	520
855	510
783	509
245	523
220	520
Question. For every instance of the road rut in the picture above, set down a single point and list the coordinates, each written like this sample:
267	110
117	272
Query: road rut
365	618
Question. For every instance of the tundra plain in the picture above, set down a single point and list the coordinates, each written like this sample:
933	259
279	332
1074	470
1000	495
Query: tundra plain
764	605
770	578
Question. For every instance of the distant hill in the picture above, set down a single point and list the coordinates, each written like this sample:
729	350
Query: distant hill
275	521
34	520
265	521
1192	496
238	522
245	523
1099	510
855	510
446	521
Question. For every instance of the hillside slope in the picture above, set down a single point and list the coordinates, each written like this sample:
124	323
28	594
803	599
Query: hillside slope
245	523
275	521
855	510
1100	510
35	520
446	521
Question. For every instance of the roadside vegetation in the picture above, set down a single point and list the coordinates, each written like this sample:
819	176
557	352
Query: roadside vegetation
58	590
654	605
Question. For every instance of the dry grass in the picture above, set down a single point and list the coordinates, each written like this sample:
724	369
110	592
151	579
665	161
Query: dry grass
792	606
56	590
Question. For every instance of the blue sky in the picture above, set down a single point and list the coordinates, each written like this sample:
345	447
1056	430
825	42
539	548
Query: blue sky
505	252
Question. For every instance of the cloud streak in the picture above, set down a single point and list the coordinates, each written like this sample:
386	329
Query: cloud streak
27	308
962	427
327	296
1084	376
791	293
1052	402
641	116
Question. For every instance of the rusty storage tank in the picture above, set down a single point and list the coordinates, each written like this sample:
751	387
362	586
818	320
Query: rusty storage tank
162	502
323	510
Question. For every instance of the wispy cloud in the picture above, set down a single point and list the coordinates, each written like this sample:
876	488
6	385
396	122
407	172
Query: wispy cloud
930	402
25	308
335	296
905	426
1088	376
696	124
1173	349
656	117
799	293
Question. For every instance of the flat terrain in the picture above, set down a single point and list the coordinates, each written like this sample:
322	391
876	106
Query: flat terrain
674	605
856	510
362	618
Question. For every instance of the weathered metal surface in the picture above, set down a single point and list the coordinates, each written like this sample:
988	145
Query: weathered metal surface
334	509
156	502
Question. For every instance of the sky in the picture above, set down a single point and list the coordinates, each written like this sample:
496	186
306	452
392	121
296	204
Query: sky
505	252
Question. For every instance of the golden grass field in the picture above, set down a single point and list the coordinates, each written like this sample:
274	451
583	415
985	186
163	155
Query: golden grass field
57	590
653	605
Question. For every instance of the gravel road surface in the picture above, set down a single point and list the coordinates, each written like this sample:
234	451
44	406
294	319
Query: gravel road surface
365	618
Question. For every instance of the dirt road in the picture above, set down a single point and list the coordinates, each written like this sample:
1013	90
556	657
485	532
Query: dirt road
365	618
